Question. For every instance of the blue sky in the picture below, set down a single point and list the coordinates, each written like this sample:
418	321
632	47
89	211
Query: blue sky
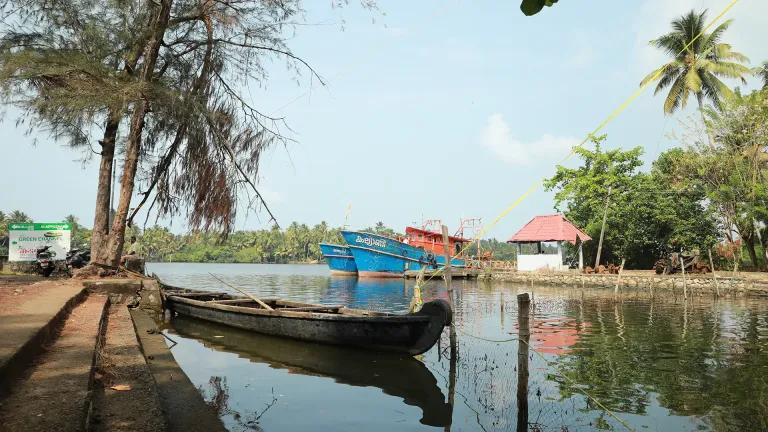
432	109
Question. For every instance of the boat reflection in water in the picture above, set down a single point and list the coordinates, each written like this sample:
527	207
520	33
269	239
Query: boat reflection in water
400	376
384	295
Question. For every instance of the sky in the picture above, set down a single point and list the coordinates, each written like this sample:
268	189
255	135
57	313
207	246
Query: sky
431	110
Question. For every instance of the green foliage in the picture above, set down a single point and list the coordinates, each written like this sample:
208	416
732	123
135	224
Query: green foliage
698	62
647	216
381	229
733	167
81	236
297	243
532	7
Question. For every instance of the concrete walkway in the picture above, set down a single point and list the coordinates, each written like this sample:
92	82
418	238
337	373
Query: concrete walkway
55	395
29	318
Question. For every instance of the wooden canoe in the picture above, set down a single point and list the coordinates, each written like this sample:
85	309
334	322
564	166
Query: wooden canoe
410	334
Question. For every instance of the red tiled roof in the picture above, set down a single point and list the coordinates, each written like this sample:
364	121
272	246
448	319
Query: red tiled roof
549	228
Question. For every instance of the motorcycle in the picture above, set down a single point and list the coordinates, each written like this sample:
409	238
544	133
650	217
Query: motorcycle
77	258
44	263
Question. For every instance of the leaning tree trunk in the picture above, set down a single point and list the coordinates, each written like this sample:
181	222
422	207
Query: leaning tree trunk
114	248
100	231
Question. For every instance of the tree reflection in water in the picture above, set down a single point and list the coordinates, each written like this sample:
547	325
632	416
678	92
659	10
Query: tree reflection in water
217	397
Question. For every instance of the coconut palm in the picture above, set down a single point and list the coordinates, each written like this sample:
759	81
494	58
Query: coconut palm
699	61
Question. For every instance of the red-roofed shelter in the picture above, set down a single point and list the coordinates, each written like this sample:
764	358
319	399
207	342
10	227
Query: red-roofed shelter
547	233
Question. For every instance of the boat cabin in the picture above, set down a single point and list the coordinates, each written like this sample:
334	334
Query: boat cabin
540	243
433	241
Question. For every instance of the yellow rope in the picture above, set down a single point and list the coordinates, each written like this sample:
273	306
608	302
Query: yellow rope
615	113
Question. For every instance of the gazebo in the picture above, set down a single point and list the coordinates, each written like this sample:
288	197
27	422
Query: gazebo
540	243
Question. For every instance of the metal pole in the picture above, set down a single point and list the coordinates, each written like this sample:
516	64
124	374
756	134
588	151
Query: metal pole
602	229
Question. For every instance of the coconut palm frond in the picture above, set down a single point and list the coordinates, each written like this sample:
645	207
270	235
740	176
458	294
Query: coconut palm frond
674	96
724	52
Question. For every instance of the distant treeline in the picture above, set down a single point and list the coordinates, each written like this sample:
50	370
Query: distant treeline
296	243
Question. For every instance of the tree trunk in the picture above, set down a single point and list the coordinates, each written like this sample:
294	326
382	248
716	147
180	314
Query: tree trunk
104	189
749	242
114	248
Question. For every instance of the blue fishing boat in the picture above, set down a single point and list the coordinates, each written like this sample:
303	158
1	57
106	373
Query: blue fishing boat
339	259
380	256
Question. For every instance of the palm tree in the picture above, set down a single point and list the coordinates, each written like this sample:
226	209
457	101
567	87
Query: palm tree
699	61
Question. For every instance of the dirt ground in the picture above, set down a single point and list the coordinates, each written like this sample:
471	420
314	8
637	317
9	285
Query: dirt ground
17	290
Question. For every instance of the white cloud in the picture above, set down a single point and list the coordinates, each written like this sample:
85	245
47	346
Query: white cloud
498	138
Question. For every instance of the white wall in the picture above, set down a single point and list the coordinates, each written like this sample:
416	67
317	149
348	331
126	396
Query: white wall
540	262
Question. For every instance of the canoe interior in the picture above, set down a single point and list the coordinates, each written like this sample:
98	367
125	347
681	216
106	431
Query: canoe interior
276	304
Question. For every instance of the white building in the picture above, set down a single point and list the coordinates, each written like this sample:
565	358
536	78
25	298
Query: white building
540	243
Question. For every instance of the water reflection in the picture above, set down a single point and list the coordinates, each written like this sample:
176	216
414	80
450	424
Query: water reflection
404	377
656	363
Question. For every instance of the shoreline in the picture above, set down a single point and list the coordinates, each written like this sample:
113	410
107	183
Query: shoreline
695	284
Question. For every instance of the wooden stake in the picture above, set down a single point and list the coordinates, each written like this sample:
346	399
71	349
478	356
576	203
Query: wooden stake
524	337
454	352
714	275
685	287
618	278
449	285
247	294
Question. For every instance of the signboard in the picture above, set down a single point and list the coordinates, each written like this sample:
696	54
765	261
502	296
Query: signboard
25	238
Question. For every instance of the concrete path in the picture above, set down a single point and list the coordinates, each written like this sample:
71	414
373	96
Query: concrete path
181	401
55	395
126	398
29	315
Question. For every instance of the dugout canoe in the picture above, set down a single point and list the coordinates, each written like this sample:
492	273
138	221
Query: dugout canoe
411	334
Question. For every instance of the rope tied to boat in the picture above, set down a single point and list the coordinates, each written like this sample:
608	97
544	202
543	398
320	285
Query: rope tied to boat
416	301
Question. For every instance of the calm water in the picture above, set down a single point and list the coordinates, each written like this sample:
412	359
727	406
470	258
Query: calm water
637	364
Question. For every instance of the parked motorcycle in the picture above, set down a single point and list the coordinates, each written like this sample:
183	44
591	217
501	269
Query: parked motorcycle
77	258
44	264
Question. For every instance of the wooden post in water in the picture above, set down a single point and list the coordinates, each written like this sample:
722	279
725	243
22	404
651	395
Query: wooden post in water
523	337
714	275
618	278
602	229
685	287
449	286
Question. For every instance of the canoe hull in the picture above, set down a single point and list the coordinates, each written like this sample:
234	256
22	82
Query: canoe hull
408	334
339	258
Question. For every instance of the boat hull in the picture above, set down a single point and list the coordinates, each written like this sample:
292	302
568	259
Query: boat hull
339	258
381	257
407	334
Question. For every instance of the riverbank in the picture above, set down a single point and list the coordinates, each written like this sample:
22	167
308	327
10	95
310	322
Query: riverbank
70	360
724	284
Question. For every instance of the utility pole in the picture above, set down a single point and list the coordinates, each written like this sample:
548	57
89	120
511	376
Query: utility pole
602	229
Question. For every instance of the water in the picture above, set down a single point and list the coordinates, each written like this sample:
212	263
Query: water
637	364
